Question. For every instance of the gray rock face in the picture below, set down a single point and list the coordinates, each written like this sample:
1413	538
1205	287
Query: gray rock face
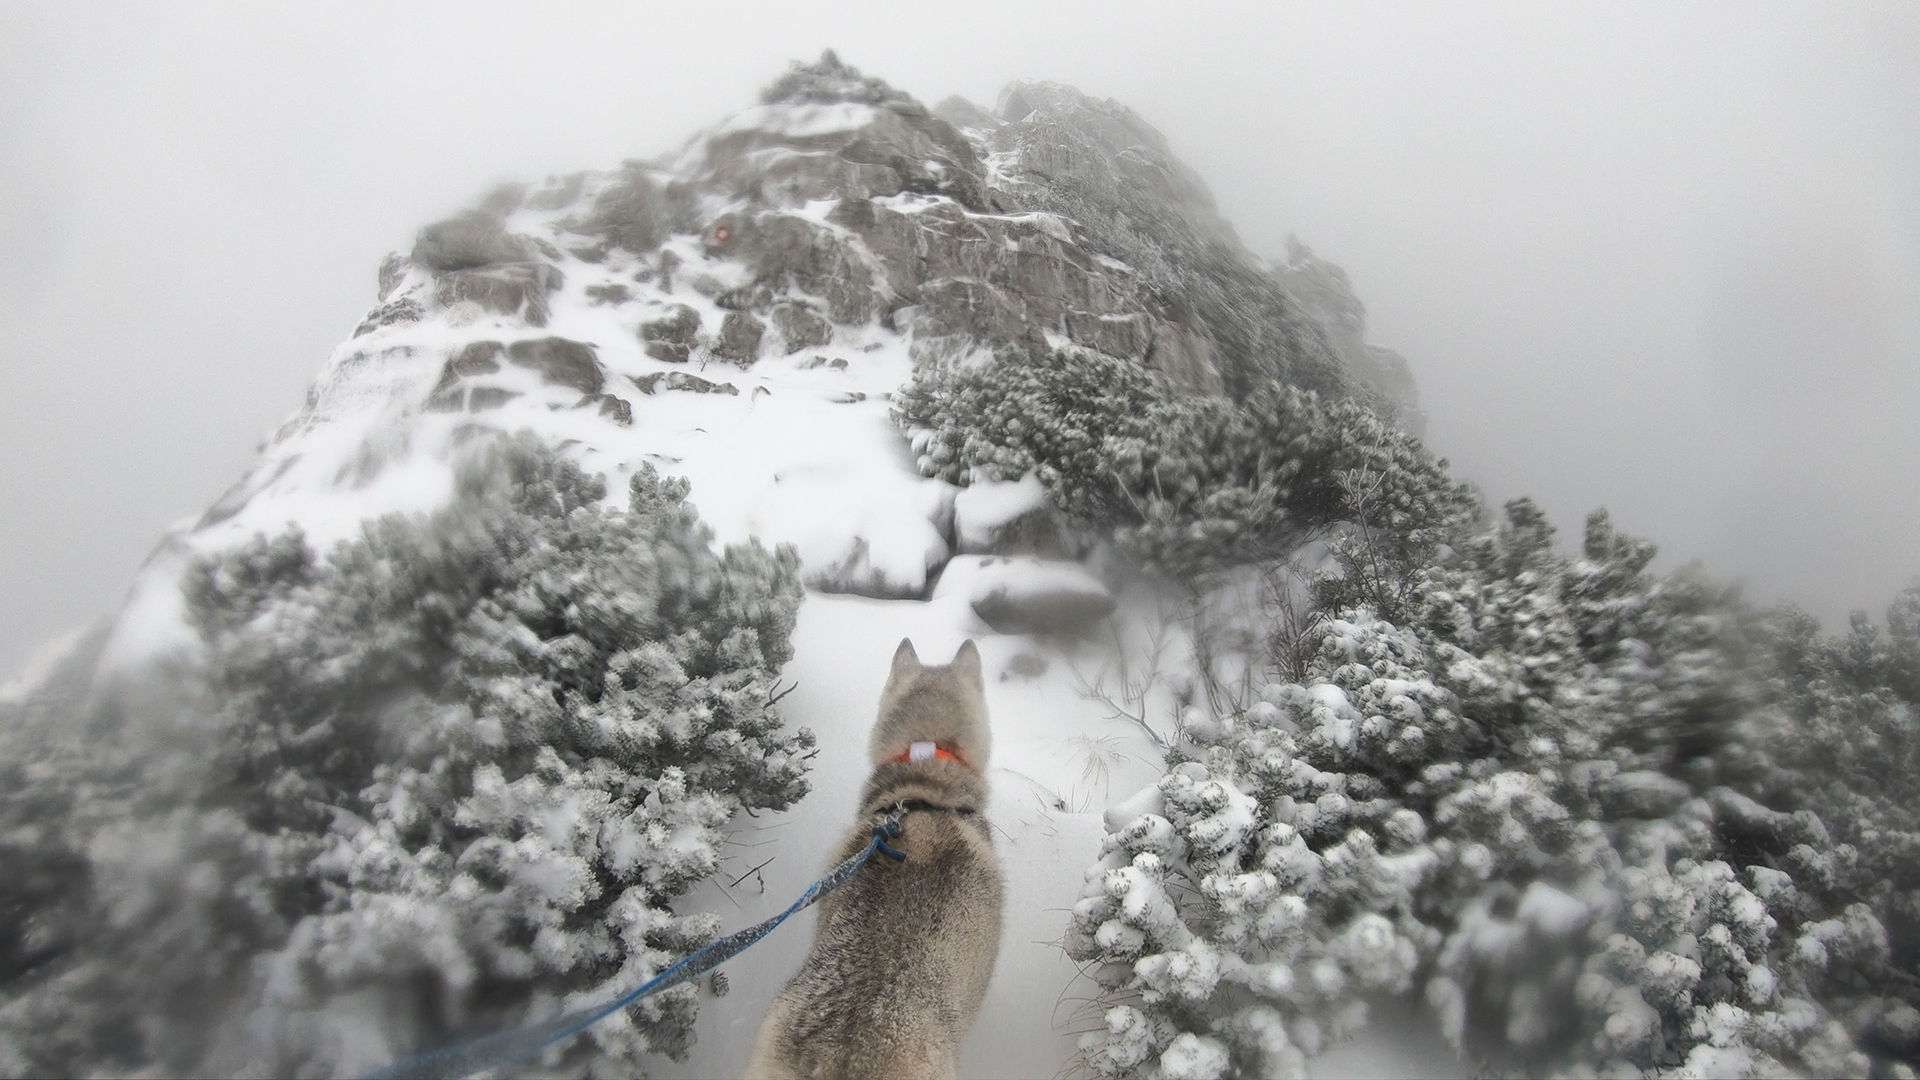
482	398
1022	595
800	327
630	213
394	312
559	361
470	399
513	289
467	240
739	339
475	358
790	252
1099	164
830	80
616	409
1043	613
392	269
901	147
1322	289
965	115
1084	230
661	381
671	337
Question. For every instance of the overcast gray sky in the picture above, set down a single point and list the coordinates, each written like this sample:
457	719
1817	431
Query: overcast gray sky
1661	258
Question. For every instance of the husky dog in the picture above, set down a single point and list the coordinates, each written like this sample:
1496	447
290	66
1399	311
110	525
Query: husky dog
902	952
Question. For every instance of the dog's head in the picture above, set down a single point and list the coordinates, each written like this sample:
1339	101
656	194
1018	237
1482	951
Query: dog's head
944	705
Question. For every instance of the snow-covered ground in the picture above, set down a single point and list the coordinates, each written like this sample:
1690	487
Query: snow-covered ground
801	452
792	448
1057	761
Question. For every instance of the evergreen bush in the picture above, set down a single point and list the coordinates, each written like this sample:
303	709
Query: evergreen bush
445	780
1187	484
1536	808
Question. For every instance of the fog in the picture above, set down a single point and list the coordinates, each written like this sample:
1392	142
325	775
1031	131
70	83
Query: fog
1661	260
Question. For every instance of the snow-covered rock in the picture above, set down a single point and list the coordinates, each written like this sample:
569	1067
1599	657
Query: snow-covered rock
1025	595
1006	518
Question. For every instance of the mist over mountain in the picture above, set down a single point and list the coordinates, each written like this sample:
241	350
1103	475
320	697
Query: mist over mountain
464	706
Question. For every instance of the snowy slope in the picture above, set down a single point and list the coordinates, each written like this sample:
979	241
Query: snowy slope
797	318
802	453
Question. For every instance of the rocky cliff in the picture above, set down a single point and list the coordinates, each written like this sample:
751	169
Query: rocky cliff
834	232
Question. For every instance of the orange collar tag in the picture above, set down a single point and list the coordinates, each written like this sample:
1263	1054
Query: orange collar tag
930	751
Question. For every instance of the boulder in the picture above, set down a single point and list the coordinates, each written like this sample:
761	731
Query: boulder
680	380
612	292
800	327
1066	612
475	358
470	239
630	213
474	399
482	398
1025	595
671	337
789	252
1007	518
395	312
514	289
617	409
754	297
393	269
559	361
739	340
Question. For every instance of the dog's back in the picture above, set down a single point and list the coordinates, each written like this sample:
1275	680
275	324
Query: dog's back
903	951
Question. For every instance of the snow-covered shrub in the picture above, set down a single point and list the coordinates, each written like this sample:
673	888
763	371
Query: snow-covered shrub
1533	808
1184	482
448	778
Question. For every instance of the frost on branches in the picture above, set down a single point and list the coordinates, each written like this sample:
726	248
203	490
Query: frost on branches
1531	808
447	779
1185	484
1590	817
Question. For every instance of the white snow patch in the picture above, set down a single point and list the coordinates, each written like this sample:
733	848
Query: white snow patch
1017	577
800	121
986	505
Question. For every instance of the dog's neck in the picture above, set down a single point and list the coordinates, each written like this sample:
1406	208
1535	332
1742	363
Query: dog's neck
931	751
895	782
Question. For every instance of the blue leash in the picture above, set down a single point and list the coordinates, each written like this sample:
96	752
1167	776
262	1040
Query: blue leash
493	1051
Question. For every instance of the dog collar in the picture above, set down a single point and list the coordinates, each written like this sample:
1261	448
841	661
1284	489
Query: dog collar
930	751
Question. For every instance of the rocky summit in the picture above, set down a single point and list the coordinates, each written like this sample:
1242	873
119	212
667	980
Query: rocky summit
838	221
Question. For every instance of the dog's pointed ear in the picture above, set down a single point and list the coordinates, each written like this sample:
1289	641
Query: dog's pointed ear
905	660
967	662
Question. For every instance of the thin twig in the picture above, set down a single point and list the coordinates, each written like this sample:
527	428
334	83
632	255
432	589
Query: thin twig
750	873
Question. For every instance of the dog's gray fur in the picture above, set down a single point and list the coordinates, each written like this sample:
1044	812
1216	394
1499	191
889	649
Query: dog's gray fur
902	952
